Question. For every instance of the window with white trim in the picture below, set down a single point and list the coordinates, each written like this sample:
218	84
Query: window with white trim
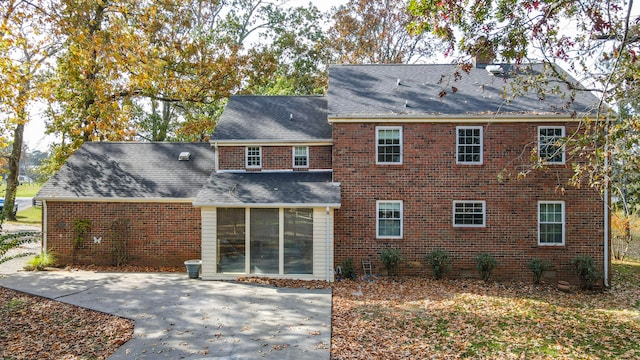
300	156
389	219
388	145
469	145
254	156
551	223
550	144
469	213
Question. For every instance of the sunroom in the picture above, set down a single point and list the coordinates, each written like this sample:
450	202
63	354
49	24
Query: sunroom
277	225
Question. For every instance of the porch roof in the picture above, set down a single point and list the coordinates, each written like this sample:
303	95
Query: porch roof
269	189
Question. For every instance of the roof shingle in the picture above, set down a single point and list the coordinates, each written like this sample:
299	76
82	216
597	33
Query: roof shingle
283	118
134	170
269	188
423	89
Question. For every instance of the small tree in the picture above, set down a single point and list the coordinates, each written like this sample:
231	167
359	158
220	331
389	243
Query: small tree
440	261
538	267
587	271
391	259
348	269
485	263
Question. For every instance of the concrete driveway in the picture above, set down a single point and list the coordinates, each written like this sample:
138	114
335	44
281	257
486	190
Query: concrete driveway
180	318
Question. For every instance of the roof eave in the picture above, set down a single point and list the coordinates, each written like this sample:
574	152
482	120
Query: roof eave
463	118
271	142
266	205
115	199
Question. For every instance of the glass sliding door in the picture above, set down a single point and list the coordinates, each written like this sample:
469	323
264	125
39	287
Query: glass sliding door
231	240
264	240
298	241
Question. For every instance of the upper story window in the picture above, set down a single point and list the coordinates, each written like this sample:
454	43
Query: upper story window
389	219
469	145
550	147
388	145
254	157
469	213
551	223
300	156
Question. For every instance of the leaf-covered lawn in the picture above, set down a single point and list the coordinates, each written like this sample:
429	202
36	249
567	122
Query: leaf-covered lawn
413	318
32	327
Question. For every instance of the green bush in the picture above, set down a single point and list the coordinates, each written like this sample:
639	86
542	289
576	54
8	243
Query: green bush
440	261
391	259
485	264
586	270
538	267
42	261
348	270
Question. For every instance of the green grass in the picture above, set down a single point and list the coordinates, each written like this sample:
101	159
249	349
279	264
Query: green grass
32	215
25	190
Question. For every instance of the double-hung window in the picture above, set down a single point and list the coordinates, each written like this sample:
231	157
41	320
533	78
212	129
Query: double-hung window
254	156
389	219
551	223
550	144
469	145
388	145
469	213
300	156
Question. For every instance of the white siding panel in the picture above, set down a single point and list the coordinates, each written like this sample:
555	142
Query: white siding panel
209	247
320	246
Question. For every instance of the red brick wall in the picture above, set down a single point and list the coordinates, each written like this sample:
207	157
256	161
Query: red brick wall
156	234
428	182
273	157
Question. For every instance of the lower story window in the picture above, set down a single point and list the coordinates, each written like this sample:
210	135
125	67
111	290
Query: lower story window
389	219
469	213
551	223
264	249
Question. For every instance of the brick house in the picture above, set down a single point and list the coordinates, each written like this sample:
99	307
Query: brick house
411	157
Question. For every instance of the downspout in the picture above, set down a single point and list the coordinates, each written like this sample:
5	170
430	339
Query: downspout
328	254
44	225
606	221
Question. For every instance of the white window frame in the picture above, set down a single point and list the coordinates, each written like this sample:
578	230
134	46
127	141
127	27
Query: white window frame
378	203
246	157
484	213
564	231
540	145
306	155
382	128
458	145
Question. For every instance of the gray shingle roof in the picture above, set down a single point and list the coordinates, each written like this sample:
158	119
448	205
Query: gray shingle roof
370	90
269	118
275	188
132	170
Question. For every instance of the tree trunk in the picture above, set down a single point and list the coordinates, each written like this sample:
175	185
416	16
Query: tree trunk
14	170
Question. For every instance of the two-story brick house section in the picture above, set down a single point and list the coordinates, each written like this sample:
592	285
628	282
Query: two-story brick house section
267	209
418	151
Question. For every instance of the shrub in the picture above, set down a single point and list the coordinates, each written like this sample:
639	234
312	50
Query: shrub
538	267
440	261
391	259
485	263
586	270
42	261
348	270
